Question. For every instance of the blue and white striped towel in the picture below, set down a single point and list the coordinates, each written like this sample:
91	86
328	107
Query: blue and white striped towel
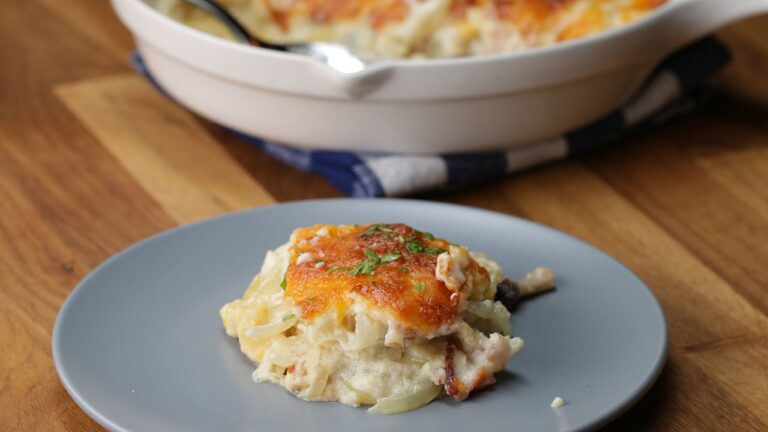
679	85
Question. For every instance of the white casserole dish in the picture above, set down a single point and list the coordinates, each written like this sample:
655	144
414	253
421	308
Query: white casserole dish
417	106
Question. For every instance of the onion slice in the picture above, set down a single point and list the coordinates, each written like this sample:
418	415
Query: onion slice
398	404
363	397
273	328
319	382
366	334
494	313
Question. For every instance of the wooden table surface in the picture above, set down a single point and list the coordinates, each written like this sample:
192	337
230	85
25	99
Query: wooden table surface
92	160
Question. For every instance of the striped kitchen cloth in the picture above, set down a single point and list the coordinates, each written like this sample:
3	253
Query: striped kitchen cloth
680	84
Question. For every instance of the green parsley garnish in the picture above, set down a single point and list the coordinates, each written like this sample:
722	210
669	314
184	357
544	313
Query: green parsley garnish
335	268
404	269
381	227
367	265
434	251
289	317
372	260
420	286
388	258
283	283
415	247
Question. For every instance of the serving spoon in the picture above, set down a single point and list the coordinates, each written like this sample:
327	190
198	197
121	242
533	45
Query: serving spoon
335	56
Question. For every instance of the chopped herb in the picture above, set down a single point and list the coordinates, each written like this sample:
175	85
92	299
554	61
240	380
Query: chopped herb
284	282
372	260
401	239
420	286
434	251
387	258
367	265
428	235
289	317
415	247
382	228
335	268
404	269
359	269
310	298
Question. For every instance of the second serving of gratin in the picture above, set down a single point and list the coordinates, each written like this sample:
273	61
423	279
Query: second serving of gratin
421	28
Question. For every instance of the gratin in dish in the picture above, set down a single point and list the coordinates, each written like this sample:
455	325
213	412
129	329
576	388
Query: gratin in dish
421	28
380	315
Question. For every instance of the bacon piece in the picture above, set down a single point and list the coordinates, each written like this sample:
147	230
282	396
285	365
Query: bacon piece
473	358
453	385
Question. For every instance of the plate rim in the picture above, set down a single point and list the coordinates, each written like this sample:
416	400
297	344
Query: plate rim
611	413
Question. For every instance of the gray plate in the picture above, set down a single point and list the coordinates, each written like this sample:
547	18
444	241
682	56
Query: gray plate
140	347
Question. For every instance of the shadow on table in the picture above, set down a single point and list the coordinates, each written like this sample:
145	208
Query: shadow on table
647	414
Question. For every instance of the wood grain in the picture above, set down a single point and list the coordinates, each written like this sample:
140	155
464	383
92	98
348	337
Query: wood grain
692	295
92	159
163	148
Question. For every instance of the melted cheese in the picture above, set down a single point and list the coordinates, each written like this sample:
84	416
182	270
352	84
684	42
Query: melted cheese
404	289
426	28
380	314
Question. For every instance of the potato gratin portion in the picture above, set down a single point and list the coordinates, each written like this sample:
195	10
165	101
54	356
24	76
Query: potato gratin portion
380	314
422	28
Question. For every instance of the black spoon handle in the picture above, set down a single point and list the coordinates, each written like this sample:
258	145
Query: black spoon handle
240	33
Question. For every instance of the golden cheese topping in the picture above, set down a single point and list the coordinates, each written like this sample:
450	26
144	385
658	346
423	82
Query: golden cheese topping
378	13
381	315
423	28
530	16
557	20
391	267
